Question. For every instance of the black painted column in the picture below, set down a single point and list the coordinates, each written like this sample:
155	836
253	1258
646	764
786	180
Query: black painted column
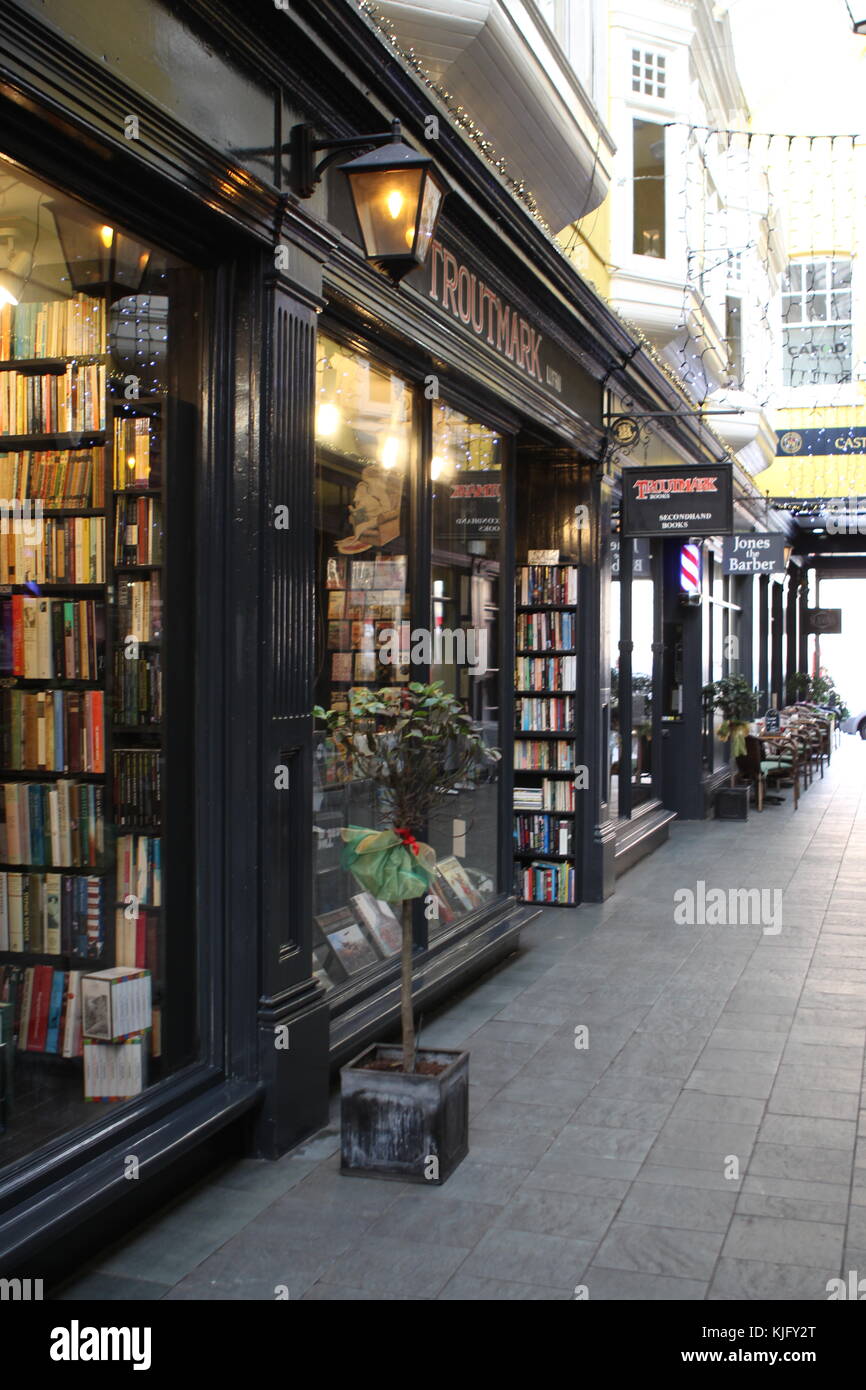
777	626
791	611
293	1017
598	830
764	638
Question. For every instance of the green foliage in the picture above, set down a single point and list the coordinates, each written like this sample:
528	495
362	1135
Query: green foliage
735	699
815	690
416	744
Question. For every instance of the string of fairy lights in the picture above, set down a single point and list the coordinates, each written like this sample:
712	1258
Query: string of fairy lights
743	193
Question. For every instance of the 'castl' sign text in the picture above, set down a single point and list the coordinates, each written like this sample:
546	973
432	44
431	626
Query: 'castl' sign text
464	294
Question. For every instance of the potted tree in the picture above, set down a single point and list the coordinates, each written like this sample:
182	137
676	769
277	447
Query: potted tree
733	696
404	1110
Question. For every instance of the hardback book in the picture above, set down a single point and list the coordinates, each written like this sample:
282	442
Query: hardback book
115	1003
341	666
382	926
352	948
115	1071
454	875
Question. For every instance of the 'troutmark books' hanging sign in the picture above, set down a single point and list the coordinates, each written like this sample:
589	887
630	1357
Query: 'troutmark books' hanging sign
692	500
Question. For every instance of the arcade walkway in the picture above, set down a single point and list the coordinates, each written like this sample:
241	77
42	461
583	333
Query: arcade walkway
712	1050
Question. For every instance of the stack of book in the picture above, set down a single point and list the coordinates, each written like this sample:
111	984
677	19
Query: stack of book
116	1019
52	914
52	825
545	673
548	883
61	478
52	731
53	328
52	639
53	404
547	586
70	550
45	1008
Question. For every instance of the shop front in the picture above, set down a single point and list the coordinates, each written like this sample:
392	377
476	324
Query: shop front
246	475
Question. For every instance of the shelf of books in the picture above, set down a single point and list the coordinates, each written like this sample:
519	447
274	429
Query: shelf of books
80	705
545	752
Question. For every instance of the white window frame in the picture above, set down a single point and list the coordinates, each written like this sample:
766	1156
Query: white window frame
649	70
803	295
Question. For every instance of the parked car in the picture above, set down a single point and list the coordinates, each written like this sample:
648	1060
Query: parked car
856	724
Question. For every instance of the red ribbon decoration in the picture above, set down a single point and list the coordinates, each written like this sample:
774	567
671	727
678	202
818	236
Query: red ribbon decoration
407	837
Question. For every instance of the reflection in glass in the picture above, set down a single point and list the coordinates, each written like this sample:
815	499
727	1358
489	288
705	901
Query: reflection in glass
465	476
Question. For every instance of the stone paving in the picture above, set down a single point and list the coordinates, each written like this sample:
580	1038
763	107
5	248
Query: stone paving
713	1049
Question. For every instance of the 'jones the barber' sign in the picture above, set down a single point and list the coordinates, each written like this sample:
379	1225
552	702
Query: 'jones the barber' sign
696	500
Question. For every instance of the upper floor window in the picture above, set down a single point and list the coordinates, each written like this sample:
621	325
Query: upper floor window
816	321
648	72
649	189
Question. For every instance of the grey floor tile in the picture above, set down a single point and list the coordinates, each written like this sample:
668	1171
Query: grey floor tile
105	1288
630	1286
446	1221
384	1264
808	1131
782	1241
801	1100
760	1281
470	1288
621	1113
678	1207
659	1250
529	1257
582	1217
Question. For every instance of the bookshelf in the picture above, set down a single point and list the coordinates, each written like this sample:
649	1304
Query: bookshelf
545	733
81	678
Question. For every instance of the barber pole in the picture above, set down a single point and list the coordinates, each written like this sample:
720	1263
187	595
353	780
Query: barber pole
690	569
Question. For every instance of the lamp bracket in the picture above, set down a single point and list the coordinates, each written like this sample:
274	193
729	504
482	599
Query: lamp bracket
302	148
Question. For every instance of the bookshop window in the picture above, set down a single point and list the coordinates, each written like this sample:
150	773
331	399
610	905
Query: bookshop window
364	456
465	476
98	425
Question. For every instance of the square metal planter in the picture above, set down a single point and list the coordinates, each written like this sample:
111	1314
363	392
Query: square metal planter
411	1127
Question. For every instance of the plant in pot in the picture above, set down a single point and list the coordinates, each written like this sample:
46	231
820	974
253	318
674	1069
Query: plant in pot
404	1111
733	696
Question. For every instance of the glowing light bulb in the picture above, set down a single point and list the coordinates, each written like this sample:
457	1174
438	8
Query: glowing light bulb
390	450
106	236
436	466
395	203
130	460
327	420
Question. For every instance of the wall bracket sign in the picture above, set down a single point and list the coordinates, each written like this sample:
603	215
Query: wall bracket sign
691	500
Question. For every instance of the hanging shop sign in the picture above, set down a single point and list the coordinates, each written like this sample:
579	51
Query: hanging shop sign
754	553
641	564
693	500
835	439
823	620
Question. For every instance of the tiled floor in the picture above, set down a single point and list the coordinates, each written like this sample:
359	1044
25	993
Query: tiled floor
707	1144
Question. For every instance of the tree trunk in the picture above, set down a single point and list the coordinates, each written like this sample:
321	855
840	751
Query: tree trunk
407	1013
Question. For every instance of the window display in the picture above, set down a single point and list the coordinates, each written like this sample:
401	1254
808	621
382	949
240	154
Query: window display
364	454
369	635
89	973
